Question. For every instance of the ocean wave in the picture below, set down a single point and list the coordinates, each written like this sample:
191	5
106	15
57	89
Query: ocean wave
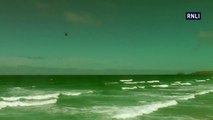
89	91
129	88
162	86
141	87
153	81
131	112
128	80
36	100
111	83
24	91
141	82
17	88
4	104
36	97
71	93
200	80
192	96
187	97
75	93
46	96
180	83
176	83
185	83
204	92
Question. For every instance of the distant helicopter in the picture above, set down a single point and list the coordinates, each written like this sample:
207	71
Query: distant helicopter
66	34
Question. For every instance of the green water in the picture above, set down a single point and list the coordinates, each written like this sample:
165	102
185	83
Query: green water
152	97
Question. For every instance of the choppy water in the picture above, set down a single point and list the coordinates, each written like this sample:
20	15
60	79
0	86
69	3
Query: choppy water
106	97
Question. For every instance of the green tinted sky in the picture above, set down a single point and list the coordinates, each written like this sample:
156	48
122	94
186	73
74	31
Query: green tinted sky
105	36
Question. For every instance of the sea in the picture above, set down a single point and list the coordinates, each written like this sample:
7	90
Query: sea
106	97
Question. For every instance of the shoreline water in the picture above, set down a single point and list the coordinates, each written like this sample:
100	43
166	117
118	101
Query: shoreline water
104	97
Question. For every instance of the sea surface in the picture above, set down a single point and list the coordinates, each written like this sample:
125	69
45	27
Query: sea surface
118	97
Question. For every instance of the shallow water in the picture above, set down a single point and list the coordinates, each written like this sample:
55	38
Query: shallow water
106	97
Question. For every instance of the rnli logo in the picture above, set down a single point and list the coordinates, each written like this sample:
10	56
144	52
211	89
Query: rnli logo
193	15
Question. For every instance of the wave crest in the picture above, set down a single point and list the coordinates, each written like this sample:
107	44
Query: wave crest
4	104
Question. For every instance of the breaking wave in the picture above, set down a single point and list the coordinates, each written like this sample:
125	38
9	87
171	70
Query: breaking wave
36	100
204	92
162	86
131	112
153	81
76	93
190	96
141	87
71	94
200	80
128	80
180	83
4	104
36	97
129	88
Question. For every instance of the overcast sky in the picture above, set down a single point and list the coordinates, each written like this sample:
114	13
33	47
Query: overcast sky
104	36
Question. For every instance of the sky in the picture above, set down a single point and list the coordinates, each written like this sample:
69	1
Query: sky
105	37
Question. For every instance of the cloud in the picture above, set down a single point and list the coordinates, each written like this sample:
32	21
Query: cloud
206	34
85	18
26	65
32	57
205	37
70	66
32	70
204	40
41	5
81	63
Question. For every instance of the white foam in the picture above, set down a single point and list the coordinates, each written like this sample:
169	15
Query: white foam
186	83
131	112
77	93
17	88
71	93
141	87
90	91
162	86
192	96
24	92
176	83
200	80
187	97
179	83
153	81
36	97
4	104
142	102
128	80
204	92
141	82
128	88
